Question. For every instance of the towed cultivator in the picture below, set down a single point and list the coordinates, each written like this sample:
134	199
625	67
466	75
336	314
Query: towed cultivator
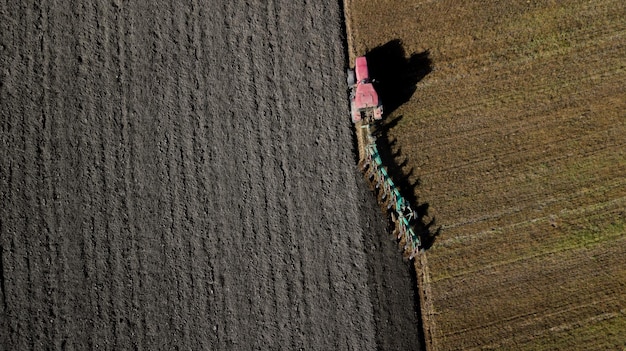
399	209
366	109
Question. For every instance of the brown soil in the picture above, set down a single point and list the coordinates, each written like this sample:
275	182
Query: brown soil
516	143
180	176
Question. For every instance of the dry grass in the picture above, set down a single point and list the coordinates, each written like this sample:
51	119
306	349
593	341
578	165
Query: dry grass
518	138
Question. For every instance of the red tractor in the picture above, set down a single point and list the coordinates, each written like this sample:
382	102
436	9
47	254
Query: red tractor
364	102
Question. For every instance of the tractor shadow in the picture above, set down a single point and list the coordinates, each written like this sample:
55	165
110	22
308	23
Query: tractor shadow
396	74
425	226
396	77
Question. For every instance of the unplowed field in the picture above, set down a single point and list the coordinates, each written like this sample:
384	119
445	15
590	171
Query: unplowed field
180	175
517	141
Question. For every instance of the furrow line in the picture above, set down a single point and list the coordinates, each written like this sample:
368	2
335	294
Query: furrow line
131	174
309	303
180	172
259	174
120	232
216	307
86	331
270	106
3	290
12	175
55	262
106	260
321	244
167	184
332	225
148	179
127	165
204	248
229	268
291	318
195	297
63	138
299	288
33	318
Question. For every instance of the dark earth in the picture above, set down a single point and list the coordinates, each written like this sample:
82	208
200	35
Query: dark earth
181	175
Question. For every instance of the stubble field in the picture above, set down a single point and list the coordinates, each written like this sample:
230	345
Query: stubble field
516	141
181	176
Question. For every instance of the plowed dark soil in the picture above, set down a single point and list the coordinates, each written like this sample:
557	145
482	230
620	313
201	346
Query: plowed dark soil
181	176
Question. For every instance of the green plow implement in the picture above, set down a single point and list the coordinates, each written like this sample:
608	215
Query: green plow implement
401	213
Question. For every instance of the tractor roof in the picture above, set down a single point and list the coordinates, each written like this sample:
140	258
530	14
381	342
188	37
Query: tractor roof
361	68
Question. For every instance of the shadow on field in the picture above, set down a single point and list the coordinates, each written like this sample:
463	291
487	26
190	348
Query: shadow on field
396	77
424	225
395	73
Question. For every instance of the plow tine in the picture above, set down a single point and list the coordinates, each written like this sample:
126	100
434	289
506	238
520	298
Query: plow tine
393	233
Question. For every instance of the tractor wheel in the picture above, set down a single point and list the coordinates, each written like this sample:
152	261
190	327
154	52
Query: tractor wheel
350	78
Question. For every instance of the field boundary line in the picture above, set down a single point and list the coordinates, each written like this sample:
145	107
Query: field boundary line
426	304
347	16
